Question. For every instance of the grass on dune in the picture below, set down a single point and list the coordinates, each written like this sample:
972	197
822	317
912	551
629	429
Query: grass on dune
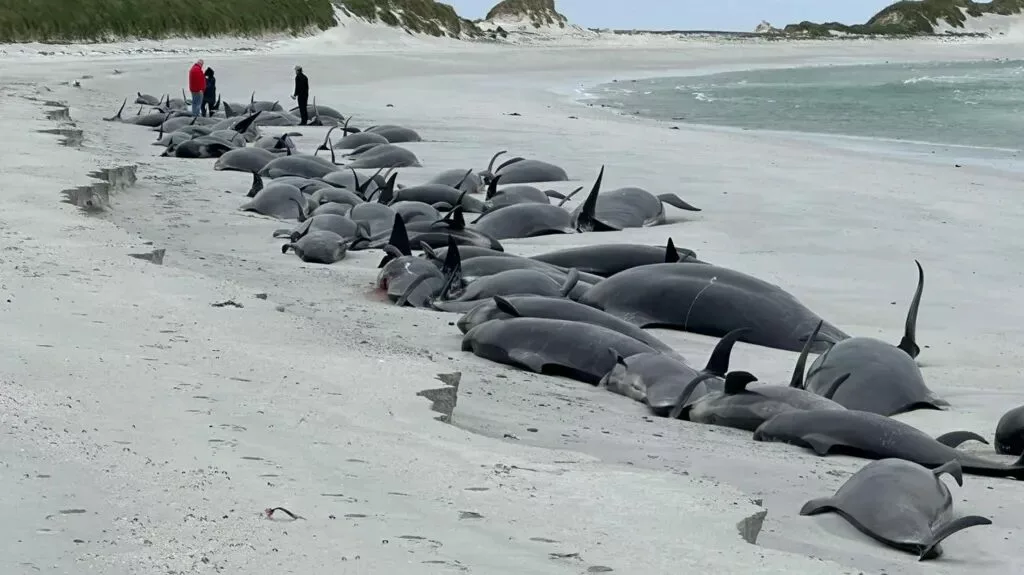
913	17
422	16
98	20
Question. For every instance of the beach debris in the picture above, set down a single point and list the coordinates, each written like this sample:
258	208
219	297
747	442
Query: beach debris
227	303
470	515
156	256
269	512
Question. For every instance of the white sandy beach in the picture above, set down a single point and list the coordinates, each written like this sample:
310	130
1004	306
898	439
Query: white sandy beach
145	431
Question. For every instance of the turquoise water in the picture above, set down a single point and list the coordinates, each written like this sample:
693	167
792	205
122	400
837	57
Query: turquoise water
978	104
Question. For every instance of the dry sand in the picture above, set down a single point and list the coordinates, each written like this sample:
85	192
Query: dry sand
145	431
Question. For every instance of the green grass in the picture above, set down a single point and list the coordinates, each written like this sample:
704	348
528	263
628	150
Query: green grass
98	20
422	16
912	17
540	12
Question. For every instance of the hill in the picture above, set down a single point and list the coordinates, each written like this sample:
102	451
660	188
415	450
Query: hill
538	13
54	21
421	16
915	17
72	21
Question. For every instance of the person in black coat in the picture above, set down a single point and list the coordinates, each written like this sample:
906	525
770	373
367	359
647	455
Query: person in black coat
301	94
210	94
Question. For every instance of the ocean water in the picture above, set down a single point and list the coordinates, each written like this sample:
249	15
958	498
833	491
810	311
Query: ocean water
975	104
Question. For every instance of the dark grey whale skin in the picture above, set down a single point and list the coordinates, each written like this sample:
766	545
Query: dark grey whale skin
901	504
581	351
711	300
873	436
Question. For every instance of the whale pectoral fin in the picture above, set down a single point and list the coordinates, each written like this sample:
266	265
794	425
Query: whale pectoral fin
797	380
816	506
956	438
820	444
736	381
363	230
506	306
257	185
676	201
454	284
953	468
932	551
831	390
570	196
681	406
285	248
554	194
527	359
282	233
571	279
403	300
428	251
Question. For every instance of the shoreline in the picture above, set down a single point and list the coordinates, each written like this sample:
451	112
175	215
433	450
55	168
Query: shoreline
307	398
999	157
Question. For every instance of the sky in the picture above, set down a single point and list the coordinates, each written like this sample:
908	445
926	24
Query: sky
732	15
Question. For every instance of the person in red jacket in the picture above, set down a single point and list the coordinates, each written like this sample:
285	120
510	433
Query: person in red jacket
197	85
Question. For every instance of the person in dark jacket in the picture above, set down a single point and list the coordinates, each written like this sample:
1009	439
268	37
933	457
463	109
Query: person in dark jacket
210	93
301	94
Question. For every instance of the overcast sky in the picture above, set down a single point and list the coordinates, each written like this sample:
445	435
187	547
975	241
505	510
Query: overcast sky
738	15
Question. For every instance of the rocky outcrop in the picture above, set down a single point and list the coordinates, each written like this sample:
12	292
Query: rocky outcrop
539	13
766	28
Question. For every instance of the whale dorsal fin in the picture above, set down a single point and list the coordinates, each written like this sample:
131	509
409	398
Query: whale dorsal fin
736	381
400	237
453	282
584	216
909	343
718	363
454	219
671	255
797	380
492	188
